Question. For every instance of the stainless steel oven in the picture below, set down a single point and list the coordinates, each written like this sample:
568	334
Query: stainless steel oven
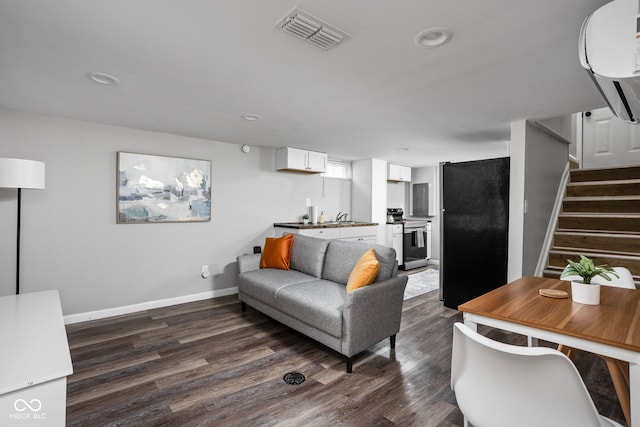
416	248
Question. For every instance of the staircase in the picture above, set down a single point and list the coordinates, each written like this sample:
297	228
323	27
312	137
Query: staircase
600	219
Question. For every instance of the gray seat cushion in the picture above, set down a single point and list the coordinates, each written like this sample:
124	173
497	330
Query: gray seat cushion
307	254
265	283
342	256
318	304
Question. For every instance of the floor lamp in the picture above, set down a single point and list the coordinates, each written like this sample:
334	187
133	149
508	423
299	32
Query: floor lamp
19	173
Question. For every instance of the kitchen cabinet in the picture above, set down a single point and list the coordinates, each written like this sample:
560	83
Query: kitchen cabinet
364	239
322	233
366	234
35	359
395	239
298	160
397	173
359	234
319	232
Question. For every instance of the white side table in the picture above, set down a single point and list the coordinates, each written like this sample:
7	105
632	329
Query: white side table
34	360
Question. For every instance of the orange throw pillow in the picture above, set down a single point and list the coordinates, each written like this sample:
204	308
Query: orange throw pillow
277	252
364	272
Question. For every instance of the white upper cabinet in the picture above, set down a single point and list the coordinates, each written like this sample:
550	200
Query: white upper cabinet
317	162
295	159
399	173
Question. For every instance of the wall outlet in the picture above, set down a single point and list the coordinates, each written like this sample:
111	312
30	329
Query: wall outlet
307	202
257	249
205	271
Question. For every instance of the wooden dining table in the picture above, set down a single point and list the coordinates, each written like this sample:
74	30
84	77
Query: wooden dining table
610	329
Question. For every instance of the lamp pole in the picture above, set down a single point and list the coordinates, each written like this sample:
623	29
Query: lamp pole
18	244
19	174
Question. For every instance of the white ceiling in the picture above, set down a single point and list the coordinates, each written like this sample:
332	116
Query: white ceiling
194	67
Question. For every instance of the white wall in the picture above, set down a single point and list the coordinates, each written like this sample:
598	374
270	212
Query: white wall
70	239
567	126
546	159
516	199
397	195
538	160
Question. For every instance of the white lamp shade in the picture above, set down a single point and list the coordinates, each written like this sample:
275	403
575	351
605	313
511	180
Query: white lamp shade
19	173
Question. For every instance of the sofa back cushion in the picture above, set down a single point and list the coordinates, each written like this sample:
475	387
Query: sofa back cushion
307	254
342	256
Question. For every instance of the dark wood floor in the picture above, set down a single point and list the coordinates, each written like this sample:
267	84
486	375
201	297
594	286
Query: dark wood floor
207	363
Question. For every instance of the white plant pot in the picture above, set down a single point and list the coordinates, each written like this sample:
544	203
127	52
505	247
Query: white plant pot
585	294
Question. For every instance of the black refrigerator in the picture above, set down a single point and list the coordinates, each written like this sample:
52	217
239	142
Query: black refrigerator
474	228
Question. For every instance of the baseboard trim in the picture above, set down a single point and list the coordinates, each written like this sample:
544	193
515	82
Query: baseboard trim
128	309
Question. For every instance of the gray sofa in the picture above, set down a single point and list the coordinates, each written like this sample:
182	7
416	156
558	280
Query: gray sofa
311	297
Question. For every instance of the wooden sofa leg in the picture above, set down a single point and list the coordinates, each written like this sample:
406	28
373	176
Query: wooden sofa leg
243	306
349	365
392	341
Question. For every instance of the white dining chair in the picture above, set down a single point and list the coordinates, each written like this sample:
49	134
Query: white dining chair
502	385
618	370
624	279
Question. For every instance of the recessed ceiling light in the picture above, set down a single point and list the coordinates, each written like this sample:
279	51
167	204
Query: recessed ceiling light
252	117
103	78
404	149
433	37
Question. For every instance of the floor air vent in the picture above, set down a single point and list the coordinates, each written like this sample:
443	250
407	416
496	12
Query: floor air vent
294	378
305	26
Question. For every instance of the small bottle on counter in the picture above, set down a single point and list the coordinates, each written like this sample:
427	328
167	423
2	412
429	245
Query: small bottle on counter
321	217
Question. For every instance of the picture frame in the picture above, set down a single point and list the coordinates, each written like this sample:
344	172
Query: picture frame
162	189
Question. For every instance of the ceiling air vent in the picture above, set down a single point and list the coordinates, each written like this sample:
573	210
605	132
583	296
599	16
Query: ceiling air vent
305	26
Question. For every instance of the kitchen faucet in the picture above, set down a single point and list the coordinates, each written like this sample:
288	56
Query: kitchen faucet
341	216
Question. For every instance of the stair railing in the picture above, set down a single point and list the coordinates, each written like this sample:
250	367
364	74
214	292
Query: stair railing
553	222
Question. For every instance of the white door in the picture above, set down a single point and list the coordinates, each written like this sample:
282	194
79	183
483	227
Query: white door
609	141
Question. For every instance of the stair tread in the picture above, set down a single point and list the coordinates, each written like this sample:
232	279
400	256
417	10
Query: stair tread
595	254
604	183
617	168
584	251
598	233
599	214
605	174
614	242
600	198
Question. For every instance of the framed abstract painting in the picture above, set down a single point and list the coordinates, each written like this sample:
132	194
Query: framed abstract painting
156	189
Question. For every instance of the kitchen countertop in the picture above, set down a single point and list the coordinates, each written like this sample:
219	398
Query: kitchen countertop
300	225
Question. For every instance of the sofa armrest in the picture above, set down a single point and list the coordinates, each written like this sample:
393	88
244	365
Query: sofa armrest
371	314
248	262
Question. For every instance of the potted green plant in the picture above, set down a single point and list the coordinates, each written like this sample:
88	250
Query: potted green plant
583	291
305	219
